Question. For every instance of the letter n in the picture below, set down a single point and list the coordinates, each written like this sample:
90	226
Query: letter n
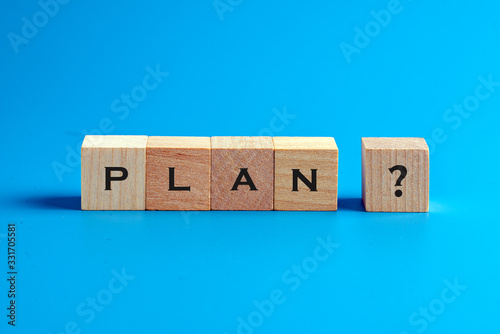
312	185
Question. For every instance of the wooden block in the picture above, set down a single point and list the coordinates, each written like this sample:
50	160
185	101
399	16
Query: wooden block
114	172
242	173
395	174
178	173
305	173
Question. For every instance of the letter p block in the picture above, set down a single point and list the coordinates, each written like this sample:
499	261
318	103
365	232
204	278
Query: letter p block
114	173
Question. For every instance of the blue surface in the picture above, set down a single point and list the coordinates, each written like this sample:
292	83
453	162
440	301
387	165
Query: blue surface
238	73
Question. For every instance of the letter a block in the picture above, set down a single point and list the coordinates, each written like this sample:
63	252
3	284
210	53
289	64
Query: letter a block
305	173
114	172
178	173
395	174
242	173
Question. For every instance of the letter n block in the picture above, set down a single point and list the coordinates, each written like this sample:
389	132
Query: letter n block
242	173
114	172
395	174
305	173
178	173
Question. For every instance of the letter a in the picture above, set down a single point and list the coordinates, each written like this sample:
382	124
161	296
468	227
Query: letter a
248	180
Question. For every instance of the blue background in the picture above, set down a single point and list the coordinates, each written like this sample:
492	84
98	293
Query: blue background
237	70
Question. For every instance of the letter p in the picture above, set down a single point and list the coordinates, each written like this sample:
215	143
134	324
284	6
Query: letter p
110	178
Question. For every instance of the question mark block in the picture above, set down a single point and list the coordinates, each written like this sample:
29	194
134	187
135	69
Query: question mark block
114	173
395	174
305	173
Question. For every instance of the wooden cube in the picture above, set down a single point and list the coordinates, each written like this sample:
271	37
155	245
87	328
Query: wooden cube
305	173
178	173
395	174
242	173
114	172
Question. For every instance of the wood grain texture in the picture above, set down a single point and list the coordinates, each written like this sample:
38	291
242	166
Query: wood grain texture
229	156
190	157
379	184
98	152
305	154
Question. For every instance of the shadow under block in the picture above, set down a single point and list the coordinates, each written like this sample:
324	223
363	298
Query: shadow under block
242	173
305	173
178	173
114	172
386	188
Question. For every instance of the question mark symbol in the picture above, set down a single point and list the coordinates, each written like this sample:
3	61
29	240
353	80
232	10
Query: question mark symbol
403	171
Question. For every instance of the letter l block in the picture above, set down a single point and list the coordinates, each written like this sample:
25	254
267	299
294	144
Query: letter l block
178	173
